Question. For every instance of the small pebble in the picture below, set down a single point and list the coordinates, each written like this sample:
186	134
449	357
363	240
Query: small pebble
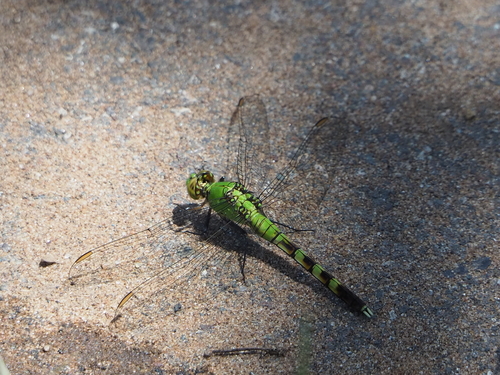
469	113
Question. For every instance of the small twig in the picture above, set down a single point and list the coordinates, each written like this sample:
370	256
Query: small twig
245	351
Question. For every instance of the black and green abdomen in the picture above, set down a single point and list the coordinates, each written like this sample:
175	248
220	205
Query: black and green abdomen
232	201
323	276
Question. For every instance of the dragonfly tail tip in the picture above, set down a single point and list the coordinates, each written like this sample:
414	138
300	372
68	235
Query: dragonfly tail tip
366	310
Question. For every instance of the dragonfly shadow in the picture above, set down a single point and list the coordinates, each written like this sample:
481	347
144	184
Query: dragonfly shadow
239	241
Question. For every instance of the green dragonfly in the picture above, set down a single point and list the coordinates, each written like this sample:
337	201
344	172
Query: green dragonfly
249	154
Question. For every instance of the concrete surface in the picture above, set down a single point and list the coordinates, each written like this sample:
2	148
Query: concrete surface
106	107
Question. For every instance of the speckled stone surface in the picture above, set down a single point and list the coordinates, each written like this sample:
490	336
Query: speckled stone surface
106	107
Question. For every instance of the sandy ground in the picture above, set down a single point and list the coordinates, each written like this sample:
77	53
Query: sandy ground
106	107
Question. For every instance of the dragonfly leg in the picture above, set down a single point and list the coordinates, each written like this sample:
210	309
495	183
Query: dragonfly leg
207	221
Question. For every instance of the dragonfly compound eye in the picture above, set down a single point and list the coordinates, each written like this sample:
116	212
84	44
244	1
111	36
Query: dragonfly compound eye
192	186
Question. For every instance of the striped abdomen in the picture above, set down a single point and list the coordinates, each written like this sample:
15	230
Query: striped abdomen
269	231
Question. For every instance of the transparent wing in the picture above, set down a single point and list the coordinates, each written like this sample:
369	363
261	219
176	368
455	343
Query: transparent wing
288	191
248	143
297	191
157	260
131	255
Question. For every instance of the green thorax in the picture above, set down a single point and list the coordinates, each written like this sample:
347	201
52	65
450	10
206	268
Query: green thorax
229	199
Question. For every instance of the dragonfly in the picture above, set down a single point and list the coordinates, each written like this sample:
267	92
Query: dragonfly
236	202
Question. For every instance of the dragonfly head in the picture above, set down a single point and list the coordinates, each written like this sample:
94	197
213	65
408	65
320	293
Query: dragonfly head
197	184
